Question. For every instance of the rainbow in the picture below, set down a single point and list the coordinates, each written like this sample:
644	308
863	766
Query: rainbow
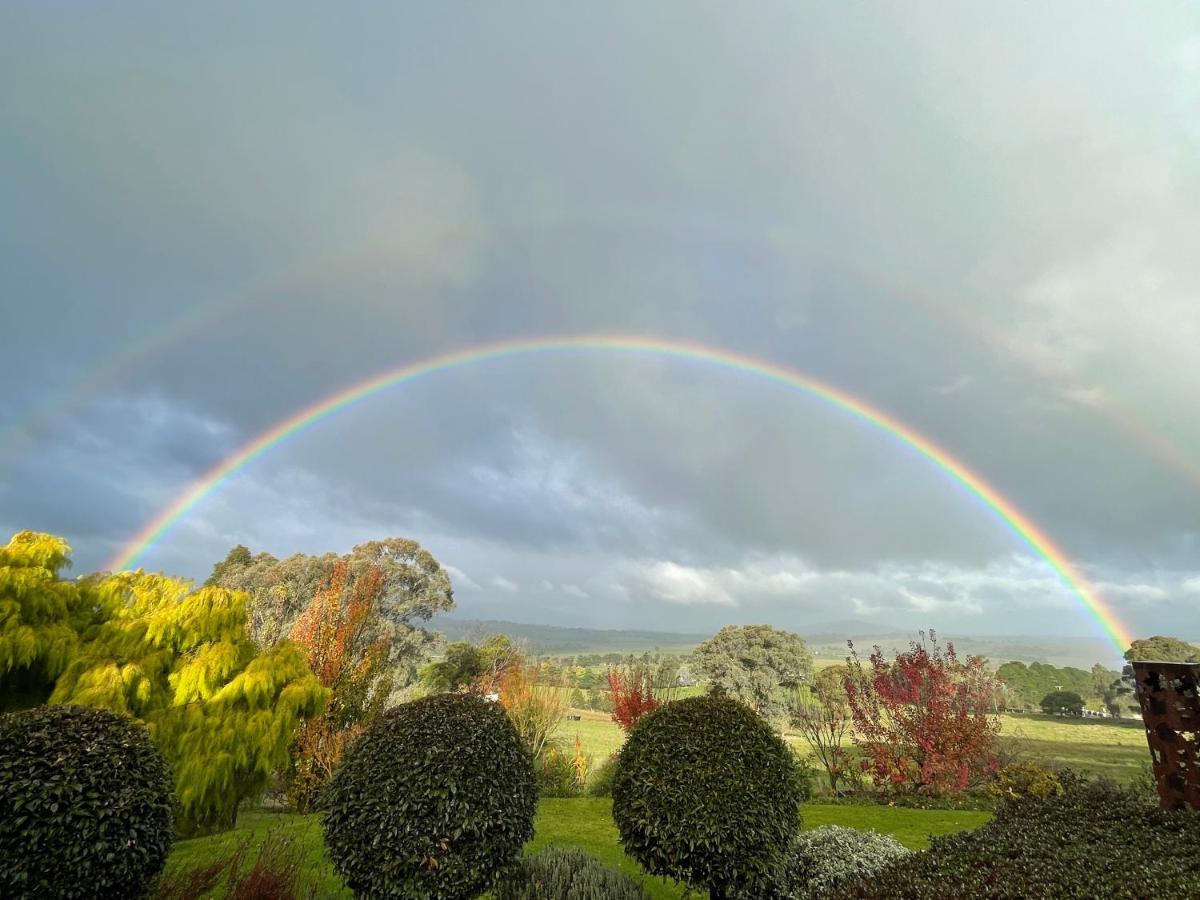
55	408
1016	521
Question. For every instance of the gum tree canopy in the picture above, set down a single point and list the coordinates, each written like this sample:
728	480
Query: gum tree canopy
179	659
414	587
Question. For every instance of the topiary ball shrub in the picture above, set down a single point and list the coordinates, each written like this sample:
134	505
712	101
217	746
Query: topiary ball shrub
85	804
560	873
819	860
435	799
1094	840
706	793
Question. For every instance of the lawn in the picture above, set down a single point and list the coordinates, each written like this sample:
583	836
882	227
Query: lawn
584	823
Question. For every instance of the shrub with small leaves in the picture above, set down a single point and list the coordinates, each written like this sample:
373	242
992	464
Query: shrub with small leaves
1020	780
435	799
707	793
819	860
568	874
85	804
1095	840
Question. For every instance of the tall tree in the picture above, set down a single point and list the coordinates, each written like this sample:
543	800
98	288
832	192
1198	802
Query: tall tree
1163	649
1062	703
221	711
923	720
465	664
414	587
755	664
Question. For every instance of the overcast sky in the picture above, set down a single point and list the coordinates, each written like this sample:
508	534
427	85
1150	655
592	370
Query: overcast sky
980	217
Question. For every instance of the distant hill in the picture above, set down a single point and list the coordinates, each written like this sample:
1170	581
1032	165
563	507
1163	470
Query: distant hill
825	639
556	639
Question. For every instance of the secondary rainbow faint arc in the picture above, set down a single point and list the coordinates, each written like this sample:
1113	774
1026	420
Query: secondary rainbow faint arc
1013	518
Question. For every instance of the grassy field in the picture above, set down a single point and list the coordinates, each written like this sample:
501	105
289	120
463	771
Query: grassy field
584	823
1103	747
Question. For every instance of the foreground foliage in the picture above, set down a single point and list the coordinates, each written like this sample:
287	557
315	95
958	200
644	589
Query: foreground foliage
567	874
705	792
435	799
585	823
1094	840
180	660
85	805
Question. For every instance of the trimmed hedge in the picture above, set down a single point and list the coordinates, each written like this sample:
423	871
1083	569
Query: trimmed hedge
435	799
85	804
706	793
1095	840
568	874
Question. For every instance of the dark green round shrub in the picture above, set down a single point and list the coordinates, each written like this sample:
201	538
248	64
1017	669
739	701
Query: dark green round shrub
705	792
1095	840
568	874
434	800
85	804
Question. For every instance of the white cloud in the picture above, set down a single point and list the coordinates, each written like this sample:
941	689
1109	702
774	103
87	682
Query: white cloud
673	583
460	580
504	584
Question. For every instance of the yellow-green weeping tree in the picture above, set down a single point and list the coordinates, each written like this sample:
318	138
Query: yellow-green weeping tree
179	659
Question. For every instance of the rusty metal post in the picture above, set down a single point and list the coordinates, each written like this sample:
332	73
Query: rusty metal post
1167	693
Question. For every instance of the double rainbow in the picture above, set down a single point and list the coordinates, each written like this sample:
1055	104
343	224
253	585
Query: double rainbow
1019	524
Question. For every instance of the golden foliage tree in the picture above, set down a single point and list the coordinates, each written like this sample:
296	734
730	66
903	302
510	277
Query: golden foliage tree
222	712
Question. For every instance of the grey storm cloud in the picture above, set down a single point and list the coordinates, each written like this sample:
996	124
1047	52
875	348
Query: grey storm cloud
977	217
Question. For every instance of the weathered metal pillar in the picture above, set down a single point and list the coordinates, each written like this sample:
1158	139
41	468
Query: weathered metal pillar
1167	693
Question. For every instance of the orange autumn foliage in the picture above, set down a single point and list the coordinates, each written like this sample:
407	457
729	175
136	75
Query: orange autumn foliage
341	635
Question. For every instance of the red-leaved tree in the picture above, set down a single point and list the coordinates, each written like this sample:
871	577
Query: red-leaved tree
923	721
633	694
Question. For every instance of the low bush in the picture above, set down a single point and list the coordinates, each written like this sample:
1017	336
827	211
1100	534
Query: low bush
707	793
86	804
435	799
567	874
557	774
819	860
1093	840
1023	780
601	782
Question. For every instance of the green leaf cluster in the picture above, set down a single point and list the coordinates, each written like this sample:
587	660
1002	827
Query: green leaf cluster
567	873
435	799
706	793
85	804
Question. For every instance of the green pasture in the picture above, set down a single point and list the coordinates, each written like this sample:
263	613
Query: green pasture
1116	749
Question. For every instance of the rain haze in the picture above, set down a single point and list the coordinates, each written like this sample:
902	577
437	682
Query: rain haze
979	219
